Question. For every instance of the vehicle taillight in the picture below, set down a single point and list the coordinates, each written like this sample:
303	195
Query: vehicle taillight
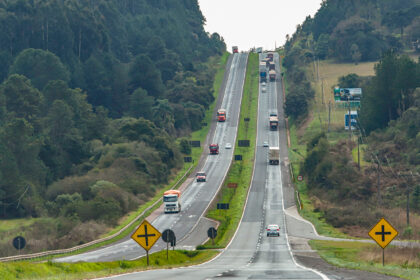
278	229
268	229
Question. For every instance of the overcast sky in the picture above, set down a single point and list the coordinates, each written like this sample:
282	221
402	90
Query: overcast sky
259	23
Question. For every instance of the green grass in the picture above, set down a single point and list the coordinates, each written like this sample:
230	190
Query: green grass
352	255
240	171
68	271
15	224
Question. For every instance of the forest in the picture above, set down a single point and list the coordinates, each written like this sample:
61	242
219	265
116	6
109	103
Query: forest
93	96
389	114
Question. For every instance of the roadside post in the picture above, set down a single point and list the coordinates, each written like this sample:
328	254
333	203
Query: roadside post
19	243
383	233
212	233
169	237
146	236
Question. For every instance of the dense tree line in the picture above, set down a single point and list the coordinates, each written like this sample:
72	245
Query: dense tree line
93	95
359	30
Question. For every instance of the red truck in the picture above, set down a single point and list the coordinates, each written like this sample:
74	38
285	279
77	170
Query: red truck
221	115
235	49
214	149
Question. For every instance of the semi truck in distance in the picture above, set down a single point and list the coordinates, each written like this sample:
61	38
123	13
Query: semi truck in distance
272	66
272	75
263	72
270	56
172	201
274	122
235	49
221	115
274	155
214	149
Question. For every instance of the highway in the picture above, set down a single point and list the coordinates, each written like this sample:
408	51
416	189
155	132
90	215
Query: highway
251	254
197	196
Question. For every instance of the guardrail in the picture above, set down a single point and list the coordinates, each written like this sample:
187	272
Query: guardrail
74	249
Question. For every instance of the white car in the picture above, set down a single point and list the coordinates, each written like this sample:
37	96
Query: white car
273	230
228	146
263	89
263	84
265	144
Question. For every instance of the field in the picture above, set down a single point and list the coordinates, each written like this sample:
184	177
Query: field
400	262
324	76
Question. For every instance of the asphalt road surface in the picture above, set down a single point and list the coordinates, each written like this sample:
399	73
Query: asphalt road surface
197	197
251	254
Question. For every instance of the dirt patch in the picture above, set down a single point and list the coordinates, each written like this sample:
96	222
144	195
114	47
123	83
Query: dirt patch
302	127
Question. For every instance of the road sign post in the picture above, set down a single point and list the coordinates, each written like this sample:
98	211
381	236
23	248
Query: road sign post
19	243
212	233
168	236
146	236
383	233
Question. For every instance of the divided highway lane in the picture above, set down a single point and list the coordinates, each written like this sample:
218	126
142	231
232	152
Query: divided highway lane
197	197
251	255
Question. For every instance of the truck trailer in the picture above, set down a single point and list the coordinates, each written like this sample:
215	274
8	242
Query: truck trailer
274	122
272	75
172	201
274	156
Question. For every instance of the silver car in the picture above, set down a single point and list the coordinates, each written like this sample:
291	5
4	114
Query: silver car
265	144
228	146
273	230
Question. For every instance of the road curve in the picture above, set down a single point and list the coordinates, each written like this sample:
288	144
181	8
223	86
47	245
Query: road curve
197	196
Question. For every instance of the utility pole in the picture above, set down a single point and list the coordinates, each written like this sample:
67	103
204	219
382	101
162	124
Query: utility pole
349	119
322	89
379	183
358	152
329	114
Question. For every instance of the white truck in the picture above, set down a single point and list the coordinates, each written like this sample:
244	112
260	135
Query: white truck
172	201
274	156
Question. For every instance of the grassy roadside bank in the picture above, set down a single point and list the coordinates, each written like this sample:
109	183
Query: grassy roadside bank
365	256
219	64
50	270
240	171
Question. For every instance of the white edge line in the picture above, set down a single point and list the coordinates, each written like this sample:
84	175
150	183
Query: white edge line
323	276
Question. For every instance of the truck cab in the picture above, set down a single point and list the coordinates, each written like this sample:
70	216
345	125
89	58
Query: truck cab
172	201
235	49
221	115
200	176
214	149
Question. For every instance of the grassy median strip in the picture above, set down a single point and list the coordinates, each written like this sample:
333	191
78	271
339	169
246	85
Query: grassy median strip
367	256
240	172
50	270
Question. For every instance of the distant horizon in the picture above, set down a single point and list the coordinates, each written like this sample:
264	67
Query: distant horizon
243	28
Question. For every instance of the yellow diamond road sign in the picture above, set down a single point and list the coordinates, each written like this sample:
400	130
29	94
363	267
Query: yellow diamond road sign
383	233
146	235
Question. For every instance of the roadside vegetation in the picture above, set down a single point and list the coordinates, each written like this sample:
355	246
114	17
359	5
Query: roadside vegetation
357	46
240	172
69	271
400	262
91	130
12	225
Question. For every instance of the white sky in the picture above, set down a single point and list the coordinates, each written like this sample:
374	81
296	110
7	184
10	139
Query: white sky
255	23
